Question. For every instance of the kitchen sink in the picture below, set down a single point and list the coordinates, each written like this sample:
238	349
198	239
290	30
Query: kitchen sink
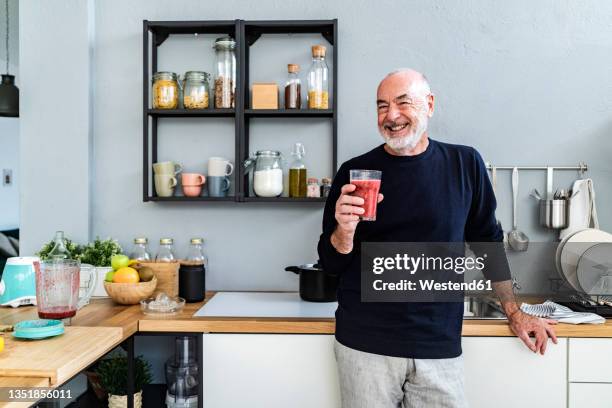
482	308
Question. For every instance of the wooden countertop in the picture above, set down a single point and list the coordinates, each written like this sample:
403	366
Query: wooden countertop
104	313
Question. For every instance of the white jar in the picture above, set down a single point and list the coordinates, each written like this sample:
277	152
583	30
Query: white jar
268	174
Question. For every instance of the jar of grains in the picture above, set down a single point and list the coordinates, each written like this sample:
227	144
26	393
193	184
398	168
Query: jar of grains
165	90
225	72
195	90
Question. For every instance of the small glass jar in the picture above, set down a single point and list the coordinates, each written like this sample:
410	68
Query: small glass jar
225	72
268	174
140	251
293	97
312	188
325	186
165	90
196	90
165	253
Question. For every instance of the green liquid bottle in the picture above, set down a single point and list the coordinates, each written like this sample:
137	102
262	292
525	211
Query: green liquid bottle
297	173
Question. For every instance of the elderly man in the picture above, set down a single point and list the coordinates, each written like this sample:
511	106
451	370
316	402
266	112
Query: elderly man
409	354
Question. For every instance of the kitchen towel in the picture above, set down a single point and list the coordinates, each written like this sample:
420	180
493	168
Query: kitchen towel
562	314
582	210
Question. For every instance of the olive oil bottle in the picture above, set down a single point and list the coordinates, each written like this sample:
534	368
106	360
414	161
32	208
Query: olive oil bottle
297	172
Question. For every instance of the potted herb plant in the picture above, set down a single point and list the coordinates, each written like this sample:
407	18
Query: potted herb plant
113	378
99	254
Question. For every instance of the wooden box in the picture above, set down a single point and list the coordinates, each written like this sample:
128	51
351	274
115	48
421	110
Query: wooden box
264	95
167	277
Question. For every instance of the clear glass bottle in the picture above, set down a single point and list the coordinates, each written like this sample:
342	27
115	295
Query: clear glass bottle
225	72
165	90
165	253
293	88
195	253
318	80
59	250
196	90
297	172
140	252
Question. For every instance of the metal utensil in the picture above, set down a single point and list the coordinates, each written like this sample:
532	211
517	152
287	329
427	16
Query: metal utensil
517	239
494	183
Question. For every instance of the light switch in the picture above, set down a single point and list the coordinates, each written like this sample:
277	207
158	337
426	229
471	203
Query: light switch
7	177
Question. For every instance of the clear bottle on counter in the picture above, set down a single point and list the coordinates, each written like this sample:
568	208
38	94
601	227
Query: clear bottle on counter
59	250
140	252
318	80
312	189
297	172
195	253
165	90
225	72
293	88
325	186
196	90
165	253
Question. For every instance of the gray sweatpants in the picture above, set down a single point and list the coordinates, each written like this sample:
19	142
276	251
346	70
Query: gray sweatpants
374	381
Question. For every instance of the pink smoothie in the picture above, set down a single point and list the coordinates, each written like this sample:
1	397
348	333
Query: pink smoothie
368	190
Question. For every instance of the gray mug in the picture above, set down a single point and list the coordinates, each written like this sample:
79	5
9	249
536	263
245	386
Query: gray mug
217	185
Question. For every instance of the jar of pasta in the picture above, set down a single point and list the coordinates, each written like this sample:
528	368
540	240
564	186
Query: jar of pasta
196	90
165	91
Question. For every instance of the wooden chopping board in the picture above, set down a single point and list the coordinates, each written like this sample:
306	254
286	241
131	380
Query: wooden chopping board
57	358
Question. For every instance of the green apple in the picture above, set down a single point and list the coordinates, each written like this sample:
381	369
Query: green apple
119	261
109	276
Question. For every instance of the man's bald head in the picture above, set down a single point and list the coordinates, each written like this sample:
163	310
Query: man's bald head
414	81
404	103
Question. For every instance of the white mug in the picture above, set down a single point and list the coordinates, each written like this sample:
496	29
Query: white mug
219	167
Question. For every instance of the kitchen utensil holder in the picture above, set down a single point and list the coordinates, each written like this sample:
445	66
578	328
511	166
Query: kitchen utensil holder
554	213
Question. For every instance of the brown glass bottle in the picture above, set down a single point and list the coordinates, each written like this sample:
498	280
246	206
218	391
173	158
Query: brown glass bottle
293	88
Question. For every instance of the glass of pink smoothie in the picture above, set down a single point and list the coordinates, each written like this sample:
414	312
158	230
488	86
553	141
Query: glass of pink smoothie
368	184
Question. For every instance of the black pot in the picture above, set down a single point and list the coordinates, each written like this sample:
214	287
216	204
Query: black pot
315	284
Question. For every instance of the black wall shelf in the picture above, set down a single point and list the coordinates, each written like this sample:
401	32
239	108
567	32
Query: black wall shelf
246	33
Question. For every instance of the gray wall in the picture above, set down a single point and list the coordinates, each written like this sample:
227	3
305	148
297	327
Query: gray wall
525	84
9	127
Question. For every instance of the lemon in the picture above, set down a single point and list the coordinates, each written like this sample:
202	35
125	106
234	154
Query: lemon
126	275
1	343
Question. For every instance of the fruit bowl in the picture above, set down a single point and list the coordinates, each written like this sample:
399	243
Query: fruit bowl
130	293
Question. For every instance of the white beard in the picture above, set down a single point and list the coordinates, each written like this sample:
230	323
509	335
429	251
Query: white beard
410	140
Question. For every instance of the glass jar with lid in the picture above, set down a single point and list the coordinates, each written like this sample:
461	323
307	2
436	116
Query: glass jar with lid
196	90
225	72
268	173
165	253
165	90
140	251
318	80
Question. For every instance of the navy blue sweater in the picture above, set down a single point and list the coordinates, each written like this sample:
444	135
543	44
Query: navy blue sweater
440	195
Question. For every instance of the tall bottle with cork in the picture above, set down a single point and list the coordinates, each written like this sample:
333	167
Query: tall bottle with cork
192	273
297	172
293	97
318	80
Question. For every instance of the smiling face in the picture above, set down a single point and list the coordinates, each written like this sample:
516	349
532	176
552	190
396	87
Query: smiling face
404	104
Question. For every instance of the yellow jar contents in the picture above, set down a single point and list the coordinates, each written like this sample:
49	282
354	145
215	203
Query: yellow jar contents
318	100
198	99
165	92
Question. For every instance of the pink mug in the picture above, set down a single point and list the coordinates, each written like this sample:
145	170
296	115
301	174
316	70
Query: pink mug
192	184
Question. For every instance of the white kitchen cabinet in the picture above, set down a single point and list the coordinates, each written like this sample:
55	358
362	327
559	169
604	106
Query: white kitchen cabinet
501	372
585	395
269	371
590	360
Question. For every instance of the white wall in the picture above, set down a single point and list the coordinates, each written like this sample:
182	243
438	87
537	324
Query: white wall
525	84
9	127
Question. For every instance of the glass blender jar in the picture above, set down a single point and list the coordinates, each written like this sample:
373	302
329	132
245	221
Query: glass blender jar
182	375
